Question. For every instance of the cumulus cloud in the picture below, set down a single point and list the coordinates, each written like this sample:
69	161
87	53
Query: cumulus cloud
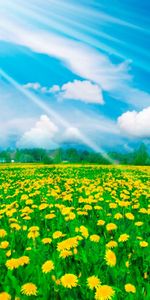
136	124
71	134
82	90
41	135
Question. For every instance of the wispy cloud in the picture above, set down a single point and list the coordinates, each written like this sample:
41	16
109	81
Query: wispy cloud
84	61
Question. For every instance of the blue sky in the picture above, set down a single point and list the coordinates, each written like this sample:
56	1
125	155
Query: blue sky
74	72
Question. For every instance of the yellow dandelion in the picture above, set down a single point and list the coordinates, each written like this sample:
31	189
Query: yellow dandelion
112	205
50	216
69	280
29	201
104	292
118	216
27	218
138	224
46	241
127	263
110	258
48	266
130	288
94	238
29	289
33	234
67	244
136	206
111	226
4	244
100	222
23	260
5	296
84	231
124	203
15	226
43	206
129	216
57	234
143	244
12	263
3	233
34	228
112	244
143	210
93	282
87	207
123	237
71	216
65	253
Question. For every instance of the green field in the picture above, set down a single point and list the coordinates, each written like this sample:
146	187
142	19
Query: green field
74	232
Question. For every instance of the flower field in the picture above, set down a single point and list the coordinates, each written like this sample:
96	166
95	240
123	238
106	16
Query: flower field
74	232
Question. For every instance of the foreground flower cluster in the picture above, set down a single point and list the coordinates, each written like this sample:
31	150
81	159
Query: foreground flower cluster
74	232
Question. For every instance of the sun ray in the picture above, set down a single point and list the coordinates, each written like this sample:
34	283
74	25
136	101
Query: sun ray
49	111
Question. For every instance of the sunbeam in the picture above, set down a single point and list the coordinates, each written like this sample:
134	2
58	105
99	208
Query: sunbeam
48	110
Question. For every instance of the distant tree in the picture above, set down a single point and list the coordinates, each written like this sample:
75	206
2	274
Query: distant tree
84	156
38	154
141	155
30	155
26	158
57	157
5	156
47	159
72	155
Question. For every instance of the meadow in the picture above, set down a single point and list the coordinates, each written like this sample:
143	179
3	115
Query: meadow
74	232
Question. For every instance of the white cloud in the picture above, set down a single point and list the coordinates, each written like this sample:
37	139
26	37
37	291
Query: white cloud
32	85
81	59
36	86
54	89
82	90
71	134
41	135
136	124
93	125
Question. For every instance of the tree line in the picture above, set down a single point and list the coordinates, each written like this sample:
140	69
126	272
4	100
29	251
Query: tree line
139	156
